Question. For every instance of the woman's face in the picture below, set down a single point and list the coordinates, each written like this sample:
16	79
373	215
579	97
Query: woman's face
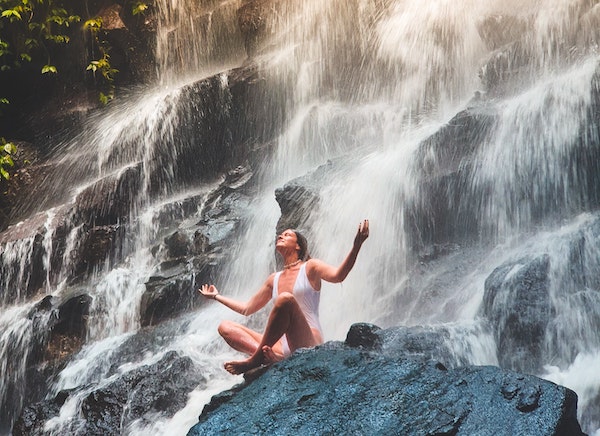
287	241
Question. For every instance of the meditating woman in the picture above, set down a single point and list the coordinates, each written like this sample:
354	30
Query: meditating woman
294	319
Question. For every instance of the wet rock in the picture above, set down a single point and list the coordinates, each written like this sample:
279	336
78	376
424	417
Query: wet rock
97	246
335	388
139	394
108	201
517	304
166	298
300	197
499	30
177	244
435	217
364	336
252	21
72	316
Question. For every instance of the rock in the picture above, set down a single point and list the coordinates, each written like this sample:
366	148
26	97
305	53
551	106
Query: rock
166	298
299	198
499	30
252	21
190	256
108	201
433	217
364	336
335	388
138	394
517	304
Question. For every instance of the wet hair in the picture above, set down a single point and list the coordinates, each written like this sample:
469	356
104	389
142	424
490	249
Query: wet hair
303	244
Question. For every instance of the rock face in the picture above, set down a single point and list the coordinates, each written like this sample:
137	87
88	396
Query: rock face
518	306
361	389
136	396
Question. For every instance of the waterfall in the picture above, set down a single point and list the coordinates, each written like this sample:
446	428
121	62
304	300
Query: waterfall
462	130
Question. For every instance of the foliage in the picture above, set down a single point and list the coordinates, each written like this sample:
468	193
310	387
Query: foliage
139	7
28	29
102	65
7	151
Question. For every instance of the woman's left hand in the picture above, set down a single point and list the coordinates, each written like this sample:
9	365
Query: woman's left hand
363	233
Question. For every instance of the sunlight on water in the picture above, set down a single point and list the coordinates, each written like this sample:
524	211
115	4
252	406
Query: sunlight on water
582	376
536	133
16	333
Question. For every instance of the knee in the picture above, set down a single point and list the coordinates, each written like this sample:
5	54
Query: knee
285	299
226	328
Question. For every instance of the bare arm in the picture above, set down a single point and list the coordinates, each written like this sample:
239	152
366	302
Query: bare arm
255	303
319	270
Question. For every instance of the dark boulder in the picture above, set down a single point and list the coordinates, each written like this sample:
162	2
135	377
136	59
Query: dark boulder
190	255
441	214
336	388
518	306
136	395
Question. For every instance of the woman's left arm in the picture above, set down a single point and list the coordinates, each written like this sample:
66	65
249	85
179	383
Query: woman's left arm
319	270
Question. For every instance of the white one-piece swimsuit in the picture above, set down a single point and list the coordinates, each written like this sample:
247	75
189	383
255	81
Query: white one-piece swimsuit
308	299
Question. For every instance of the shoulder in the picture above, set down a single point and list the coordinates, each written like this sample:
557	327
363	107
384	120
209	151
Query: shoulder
313	266
268	284
271	279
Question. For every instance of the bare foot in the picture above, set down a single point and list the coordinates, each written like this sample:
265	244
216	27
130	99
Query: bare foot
270	356
241	366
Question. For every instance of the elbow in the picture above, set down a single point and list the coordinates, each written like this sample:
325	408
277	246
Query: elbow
338	279
247	311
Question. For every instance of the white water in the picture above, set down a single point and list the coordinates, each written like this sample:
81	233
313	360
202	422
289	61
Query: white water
365	84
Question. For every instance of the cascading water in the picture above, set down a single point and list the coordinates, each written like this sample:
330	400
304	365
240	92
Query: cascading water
365	85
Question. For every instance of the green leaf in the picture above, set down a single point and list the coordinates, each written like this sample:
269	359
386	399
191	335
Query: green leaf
7	160
49	69
104	98
25	57
4	101
139	8
10	148
4	173
93	24
9	13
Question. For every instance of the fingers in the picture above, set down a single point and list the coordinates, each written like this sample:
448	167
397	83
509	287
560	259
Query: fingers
207	290
363	228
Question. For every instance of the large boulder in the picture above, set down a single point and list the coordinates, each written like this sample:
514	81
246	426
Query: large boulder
136	395
336	388
518	306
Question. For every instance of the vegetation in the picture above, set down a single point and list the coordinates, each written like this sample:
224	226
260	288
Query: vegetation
32	32
101	65
28	29
6	158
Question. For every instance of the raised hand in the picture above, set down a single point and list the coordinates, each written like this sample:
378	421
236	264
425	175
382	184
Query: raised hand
362	234
209	291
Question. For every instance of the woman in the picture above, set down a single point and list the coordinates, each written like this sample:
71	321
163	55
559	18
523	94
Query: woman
294	319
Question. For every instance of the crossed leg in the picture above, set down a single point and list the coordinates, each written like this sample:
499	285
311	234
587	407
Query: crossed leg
245	340
287	318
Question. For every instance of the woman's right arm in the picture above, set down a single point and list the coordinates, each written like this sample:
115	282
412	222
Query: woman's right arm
255	303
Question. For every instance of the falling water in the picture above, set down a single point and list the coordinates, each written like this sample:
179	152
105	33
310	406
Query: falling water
364	83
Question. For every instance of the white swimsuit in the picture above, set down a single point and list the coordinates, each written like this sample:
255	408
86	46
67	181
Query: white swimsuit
308	299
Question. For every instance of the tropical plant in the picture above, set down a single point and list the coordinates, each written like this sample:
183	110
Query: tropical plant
28	29
7	152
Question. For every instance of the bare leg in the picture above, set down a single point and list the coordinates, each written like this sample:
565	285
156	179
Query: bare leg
285	318
243	339
240	337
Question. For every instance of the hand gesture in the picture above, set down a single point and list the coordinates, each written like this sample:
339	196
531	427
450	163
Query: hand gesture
209	292
362	234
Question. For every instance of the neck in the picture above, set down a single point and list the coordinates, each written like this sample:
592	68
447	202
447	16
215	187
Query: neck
291	264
